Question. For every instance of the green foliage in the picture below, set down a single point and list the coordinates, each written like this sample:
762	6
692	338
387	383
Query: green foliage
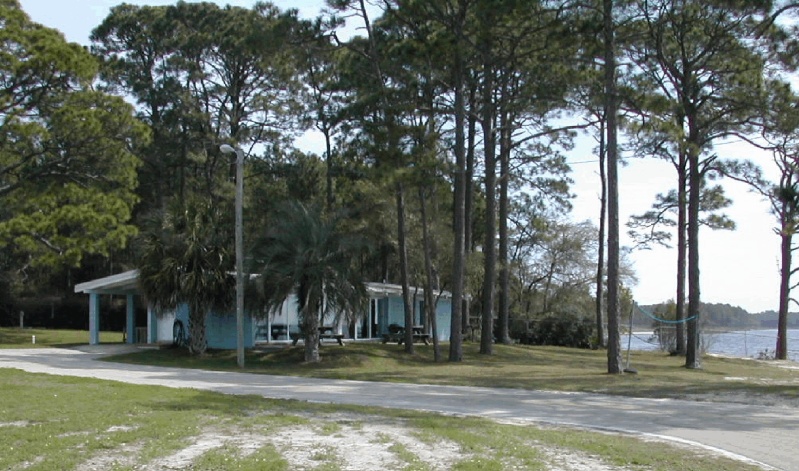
648	228
185	256
68	154
561	330
554	264
201	74
307	255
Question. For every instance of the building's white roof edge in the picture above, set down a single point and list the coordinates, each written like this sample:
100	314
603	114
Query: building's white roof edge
126	279
127	282
387	288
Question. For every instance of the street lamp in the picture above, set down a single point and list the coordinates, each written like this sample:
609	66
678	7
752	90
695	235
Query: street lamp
227	149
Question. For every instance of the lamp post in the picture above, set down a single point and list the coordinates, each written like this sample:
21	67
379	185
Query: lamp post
227	149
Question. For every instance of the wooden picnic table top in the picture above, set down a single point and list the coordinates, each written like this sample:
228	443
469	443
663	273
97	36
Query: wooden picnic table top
325	332
398	334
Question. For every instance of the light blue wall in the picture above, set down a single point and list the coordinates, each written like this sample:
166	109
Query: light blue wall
443	316
220	329
394	313
182	315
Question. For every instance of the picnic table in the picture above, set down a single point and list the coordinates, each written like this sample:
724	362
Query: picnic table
325	332
396	333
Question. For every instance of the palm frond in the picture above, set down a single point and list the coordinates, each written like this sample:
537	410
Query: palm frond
305	254
185	257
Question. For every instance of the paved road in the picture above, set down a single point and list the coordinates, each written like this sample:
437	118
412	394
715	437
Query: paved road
764	435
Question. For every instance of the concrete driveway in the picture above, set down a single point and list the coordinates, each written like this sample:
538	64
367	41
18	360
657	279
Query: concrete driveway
764	435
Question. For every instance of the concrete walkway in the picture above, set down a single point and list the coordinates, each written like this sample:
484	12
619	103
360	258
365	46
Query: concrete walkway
765	435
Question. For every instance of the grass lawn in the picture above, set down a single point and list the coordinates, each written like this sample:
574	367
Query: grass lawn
514	366
51	422
61	423
13	337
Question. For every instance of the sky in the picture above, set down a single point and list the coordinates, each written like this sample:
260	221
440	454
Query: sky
737	267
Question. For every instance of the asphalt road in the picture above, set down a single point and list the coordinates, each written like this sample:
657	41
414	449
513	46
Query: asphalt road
762	434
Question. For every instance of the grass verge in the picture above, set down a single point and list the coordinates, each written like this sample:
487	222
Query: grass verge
54	422
14	337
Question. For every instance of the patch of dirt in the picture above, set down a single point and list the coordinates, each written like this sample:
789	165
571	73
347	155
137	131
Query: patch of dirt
570	460
350	443
244	442
122	456
120	428
361	447
18	423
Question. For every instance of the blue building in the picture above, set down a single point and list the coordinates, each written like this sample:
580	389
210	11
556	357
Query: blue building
386	307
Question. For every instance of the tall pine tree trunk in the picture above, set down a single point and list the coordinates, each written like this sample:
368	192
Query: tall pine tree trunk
459	203
786	207
600	265
489	243
487	117
682	245
329	199
469	196
692	353
431	280
393	149
614	339
403	255
503	324
786	234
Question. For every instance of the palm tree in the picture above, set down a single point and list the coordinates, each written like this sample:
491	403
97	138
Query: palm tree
185	257
306	254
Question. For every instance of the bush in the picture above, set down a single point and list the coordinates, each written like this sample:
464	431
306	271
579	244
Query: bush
667	337
562	330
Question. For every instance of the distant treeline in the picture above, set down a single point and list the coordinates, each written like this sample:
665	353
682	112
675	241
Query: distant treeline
717	315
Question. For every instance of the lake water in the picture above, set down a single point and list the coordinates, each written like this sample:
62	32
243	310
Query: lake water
748	343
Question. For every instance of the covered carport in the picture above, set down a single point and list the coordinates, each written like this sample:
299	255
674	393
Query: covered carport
122	284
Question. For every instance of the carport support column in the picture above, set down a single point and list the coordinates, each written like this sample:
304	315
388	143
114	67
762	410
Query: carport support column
130	321
152	325
94	318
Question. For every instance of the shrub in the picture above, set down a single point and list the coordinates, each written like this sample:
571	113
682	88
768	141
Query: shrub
562	330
